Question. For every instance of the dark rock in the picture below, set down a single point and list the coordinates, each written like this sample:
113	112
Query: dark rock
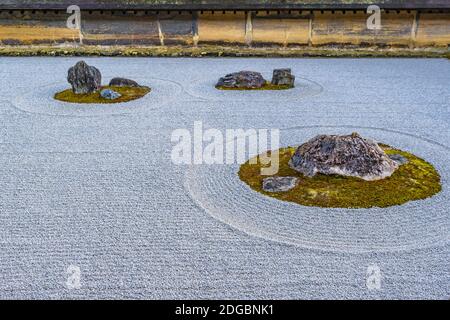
348	155
123	82
110	94
242	79
398	158
84	78
279	184
283	77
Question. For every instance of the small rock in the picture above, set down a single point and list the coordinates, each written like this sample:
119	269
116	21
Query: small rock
398	158
279	184
348	155
283	77
110	94
123	82
84	78
242	79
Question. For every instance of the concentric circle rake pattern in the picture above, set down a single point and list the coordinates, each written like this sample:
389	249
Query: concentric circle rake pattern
41	101
205	89
417	224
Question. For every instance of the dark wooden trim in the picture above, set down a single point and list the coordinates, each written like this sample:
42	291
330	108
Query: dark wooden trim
220	5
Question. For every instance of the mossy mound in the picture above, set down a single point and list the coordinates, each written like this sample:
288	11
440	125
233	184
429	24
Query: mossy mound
127	94
414	180
266	86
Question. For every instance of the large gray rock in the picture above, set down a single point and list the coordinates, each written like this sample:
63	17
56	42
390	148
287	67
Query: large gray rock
283	77
84	78
242	79
348	155
279	184
123	82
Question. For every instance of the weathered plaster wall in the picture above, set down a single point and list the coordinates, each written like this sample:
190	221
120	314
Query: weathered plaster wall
33	28
433	29
255	28
350	28
137	29
219	27
279	28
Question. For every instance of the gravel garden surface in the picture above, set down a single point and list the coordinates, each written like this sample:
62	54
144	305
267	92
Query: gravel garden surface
93	186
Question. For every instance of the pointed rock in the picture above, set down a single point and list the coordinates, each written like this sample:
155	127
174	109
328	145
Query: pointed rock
84	78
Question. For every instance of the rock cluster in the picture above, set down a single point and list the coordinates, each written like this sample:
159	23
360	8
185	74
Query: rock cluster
283	77
87	79
255	80
279	184
84	78
242	79
347	155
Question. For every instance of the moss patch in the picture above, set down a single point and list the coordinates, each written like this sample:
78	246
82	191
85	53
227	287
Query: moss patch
220	51
267	86
414	180
127	94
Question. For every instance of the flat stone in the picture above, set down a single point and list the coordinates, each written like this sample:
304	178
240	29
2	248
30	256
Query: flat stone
110	94
242	79
123	82
84	78
398	158
279	184
283	77
347	155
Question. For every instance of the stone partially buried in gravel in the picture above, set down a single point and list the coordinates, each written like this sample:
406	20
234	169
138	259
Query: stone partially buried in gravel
84	78
283	77
279	184
110	94
123	82
242	79
347	155
398	158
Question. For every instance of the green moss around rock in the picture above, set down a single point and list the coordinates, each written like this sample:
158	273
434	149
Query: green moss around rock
414	180
267	86
127	94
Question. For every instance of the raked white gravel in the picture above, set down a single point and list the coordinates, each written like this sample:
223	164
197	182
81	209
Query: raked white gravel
94	187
